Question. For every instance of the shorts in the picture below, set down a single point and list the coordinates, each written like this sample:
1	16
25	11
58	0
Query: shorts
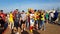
23	22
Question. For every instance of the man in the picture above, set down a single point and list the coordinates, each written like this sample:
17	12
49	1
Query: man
23	20
39	20
36	16
17	19
2	15
42	24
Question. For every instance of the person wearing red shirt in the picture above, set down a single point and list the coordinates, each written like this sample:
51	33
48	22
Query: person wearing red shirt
2	14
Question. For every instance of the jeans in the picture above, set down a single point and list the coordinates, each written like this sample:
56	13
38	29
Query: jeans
42	24
5	25
39	21
27	24
36	21
52	20
16	24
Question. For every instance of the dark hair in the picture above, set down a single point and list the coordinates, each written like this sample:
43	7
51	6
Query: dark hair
1	10
17	9
29	11
23	11
35	10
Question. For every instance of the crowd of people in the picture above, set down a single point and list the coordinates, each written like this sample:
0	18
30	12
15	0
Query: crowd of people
32	19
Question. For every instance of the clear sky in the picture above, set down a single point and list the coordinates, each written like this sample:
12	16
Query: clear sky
9	5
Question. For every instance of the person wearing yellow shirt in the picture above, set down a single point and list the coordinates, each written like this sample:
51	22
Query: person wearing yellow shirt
11	20
42	24
36	19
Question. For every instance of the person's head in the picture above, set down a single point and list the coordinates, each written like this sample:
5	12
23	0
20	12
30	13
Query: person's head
1	11
16	9
23	11
35	10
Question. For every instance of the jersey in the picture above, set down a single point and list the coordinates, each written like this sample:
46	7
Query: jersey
36	16
23	16
42	17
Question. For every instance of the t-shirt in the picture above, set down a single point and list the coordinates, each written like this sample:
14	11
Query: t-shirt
46	15
11	18
17	17
23	16
39	16
3	16
42	17
36	16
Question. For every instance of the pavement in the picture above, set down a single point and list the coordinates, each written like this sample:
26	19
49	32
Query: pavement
50	29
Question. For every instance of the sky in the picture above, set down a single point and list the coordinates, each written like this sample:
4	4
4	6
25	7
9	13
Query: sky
10	5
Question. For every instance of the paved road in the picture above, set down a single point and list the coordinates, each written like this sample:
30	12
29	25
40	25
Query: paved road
50	29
